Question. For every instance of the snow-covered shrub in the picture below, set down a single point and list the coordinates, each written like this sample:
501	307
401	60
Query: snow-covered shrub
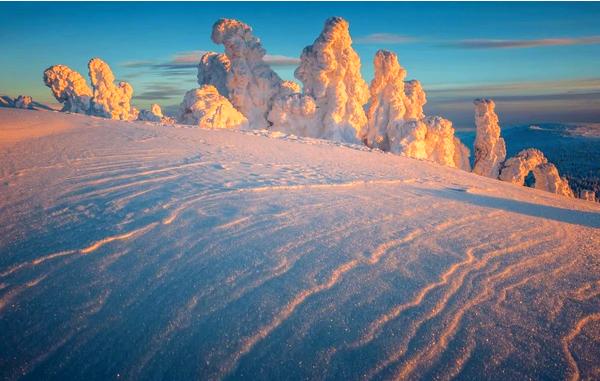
69	88
490	149
330	72
206	108
109	100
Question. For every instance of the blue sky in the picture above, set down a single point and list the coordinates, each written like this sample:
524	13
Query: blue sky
540	61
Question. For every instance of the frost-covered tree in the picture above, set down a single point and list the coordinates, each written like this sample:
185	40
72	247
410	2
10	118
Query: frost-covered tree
69	88
109	100
396	121
206	108
251	83
293	112
330	72
213	69
490	149
153	115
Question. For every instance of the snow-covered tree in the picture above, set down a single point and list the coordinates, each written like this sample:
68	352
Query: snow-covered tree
69	88
251	83
213	69
154	115
396	121
206	108
109	100
490	149
24	101
330	72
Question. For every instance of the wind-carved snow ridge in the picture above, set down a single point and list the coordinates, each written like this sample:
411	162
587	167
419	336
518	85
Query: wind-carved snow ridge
213	69
206	108
330	72
110	100
396	121
69	88
546	175
251	83
490	149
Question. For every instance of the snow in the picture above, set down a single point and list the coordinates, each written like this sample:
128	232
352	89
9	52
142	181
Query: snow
213	69
24	101
206	108
547	179
490	149
69	88
110	100
169	252
251	83
330	73
396	121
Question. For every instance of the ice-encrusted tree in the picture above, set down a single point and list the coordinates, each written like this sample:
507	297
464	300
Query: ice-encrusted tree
109	100
251	82
213	69
490	149
397	123
206	108
69	88
330	72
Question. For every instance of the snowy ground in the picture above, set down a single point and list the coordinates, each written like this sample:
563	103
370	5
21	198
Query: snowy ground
132	250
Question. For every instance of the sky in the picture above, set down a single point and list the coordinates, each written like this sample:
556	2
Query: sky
539	61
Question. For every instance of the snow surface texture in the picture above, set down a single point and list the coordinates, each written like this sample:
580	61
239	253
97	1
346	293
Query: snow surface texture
184	253
251	83
69	88
212	70
206	108
396	121
330	72
110	100
546	176
490	149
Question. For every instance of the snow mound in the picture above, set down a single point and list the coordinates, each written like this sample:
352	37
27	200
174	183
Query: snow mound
69	88
330	72
213	69
24	101
396	121
490	149
206	108
110	100
251	83
155	115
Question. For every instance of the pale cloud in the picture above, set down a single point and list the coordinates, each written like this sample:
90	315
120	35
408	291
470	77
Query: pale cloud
383	38
520	44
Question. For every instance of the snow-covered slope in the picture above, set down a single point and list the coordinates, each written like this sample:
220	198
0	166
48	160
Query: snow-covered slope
134	250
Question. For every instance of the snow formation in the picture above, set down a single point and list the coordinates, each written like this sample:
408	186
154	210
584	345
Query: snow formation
206	108
490	149
330	72
154	115
546	176
251	83
69	88
396	121
24	101
213	69
110	100
547	179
